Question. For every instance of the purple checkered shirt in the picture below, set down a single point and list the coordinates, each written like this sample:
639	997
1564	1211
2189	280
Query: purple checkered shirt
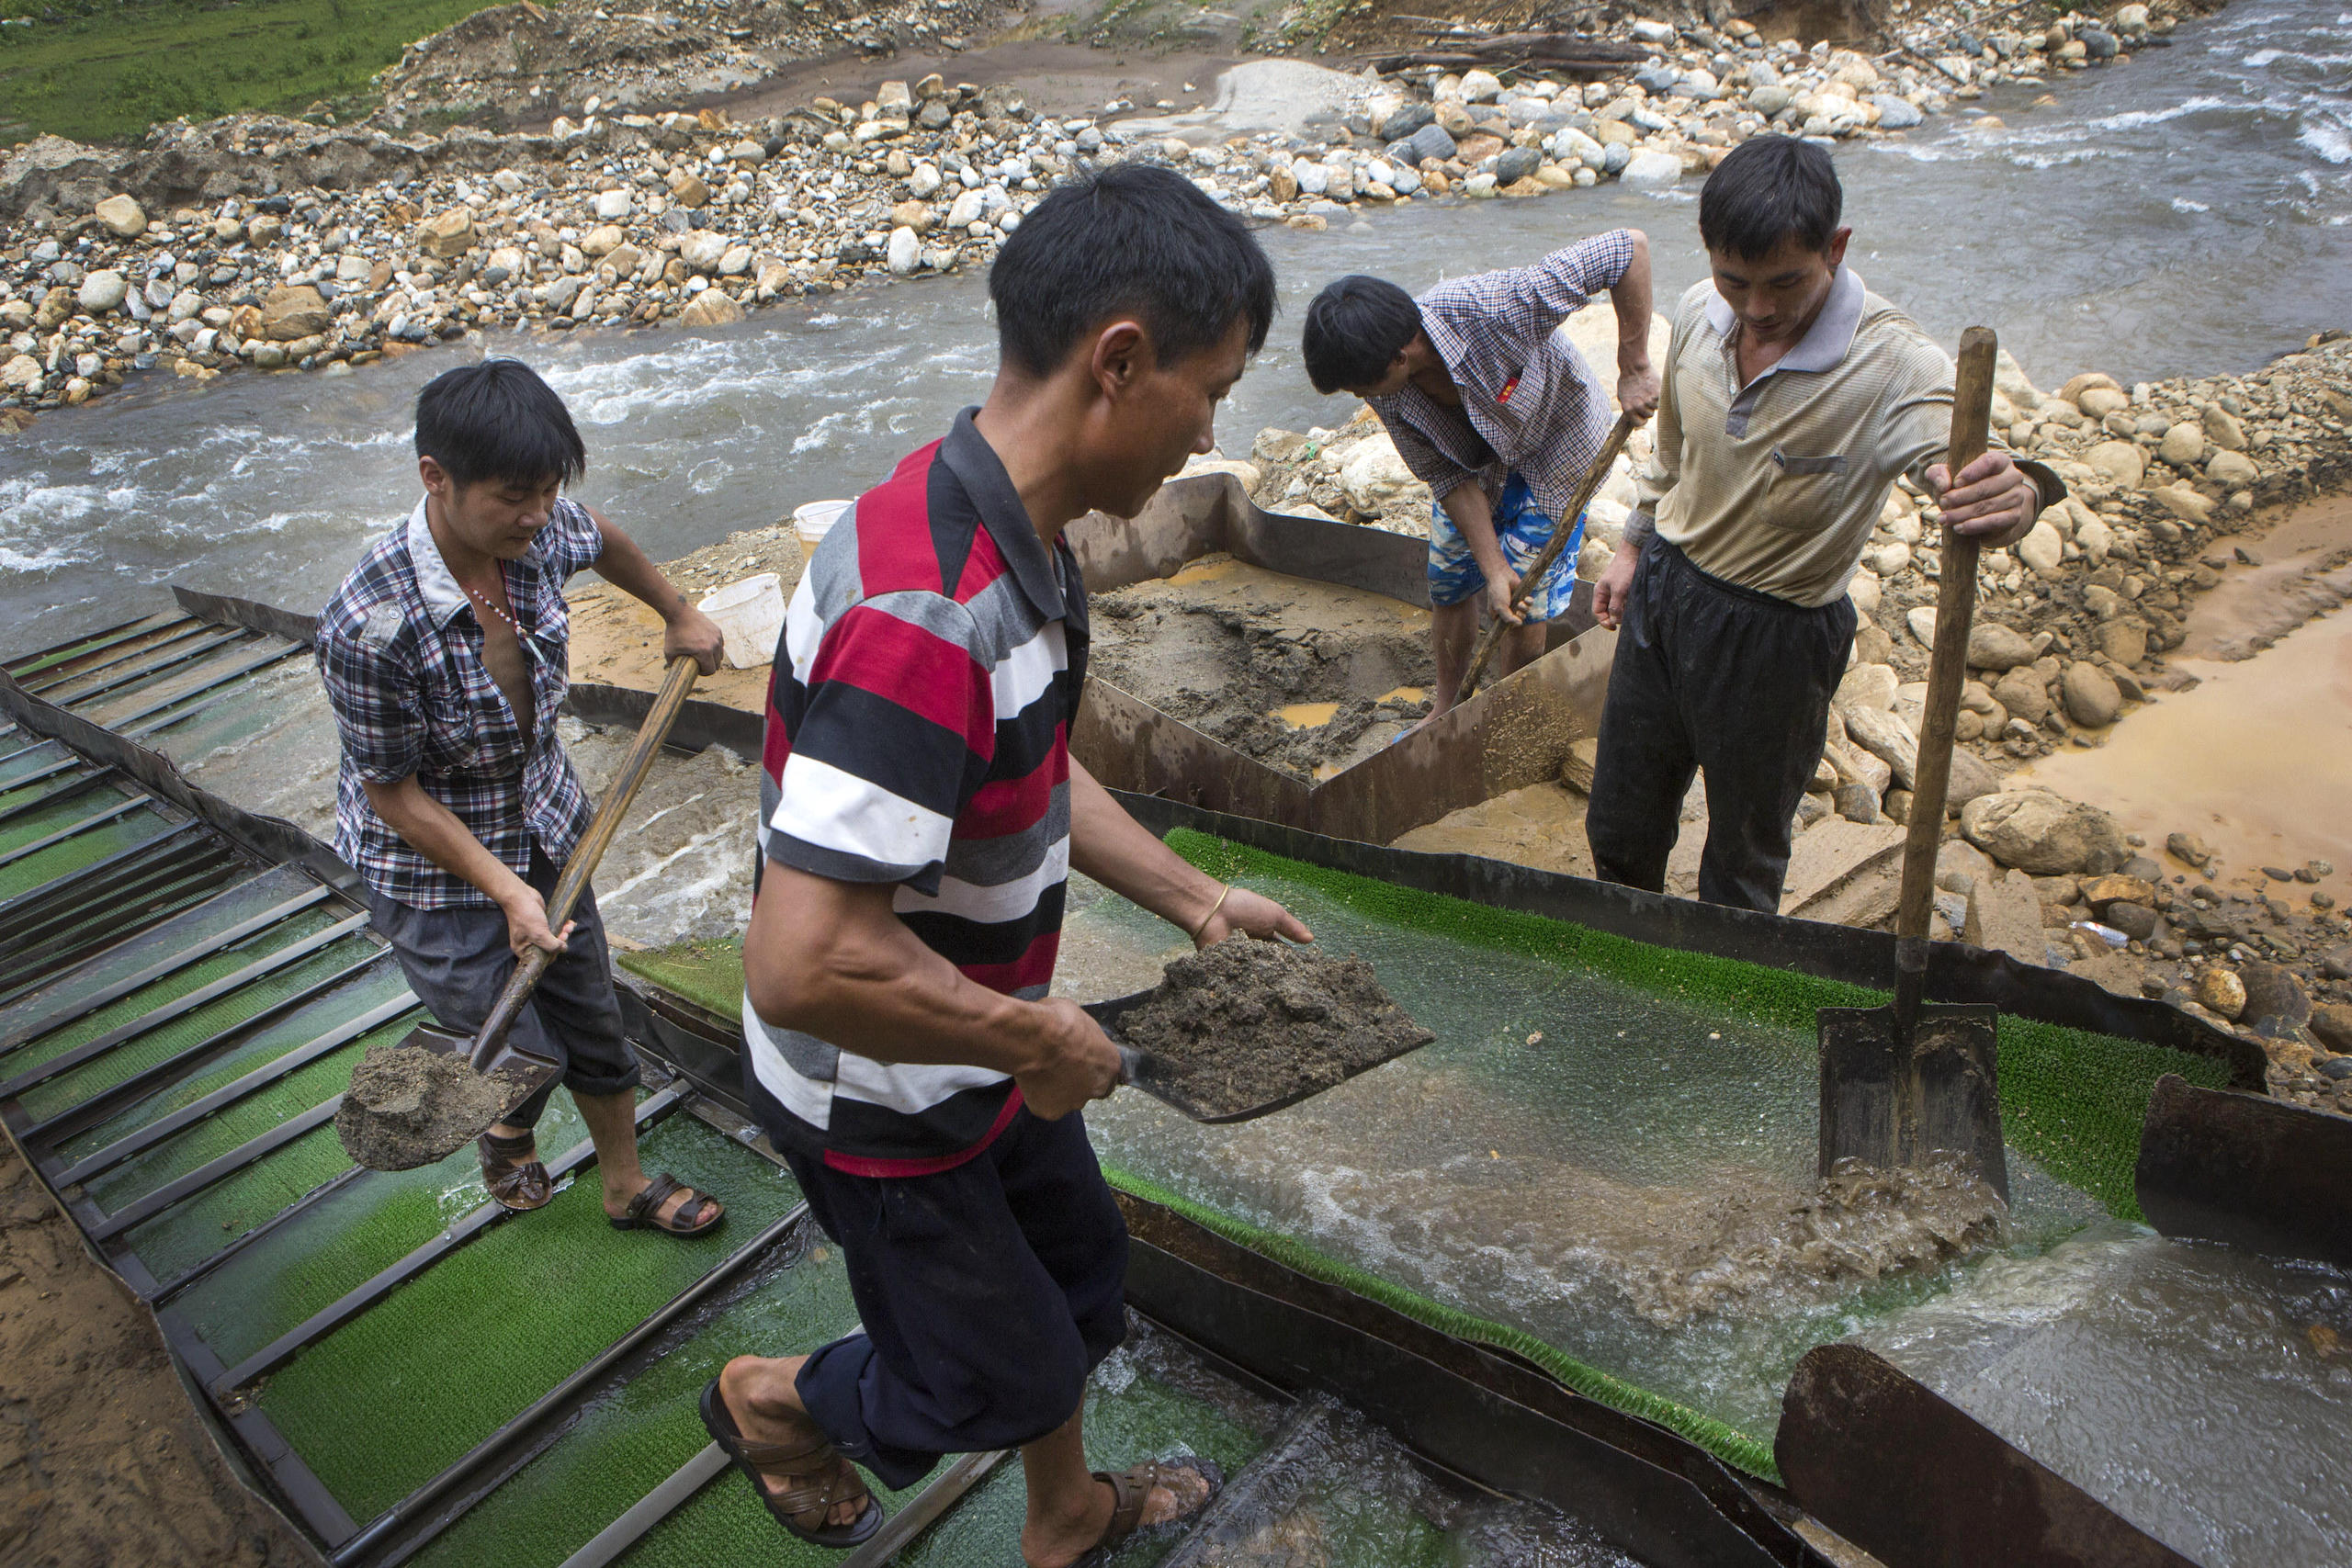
1529	404
399	649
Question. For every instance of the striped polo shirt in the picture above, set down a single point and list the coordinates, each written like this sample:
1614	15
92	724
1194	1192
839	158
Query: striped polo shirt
918	733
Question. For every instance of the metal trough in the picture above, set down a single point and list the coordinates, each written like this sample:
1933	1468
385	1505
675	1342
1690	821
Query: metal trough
1515	733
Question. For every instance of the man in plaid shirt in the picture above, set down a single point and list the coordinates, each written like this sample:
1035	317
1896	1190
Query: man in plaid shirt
446	654
1492	408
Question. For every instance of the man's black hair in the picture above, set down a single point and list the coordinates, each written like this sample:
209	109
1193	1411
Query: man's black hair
498	420
1767	190
1355	329
1131	238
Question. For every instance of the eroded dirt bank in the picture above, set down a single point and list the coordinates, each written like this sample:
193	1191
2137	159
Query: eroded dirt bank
102	1462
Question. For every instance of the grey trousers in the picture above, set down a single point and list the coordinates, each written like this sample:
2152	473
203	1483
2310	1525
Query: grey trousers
456	962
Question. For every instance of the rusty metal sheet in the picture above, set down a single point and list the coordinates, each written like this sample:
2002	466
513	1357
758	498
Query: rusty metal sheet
1918	1482
2248	1170
222	610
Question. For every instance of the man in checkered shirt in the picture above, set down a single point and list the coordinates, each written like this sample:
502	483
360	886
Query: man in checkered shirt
446	654
1493	408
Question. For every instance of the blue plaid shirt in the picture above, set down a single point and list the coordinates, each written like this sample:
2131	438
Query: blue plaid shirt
399	649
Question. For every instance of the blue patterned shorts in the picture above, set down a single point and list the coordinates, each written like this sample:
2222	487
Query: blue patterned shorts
1522	529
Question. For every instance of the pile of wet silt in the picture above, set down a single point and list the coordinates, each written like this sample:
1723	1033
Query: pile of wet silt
1303	676
408	1107
1246	1022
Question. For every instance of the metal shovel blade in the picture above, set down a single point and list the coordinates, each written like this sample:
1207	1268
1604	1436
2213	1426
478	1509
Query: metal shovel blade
1891	1102
1161	1079
401	1113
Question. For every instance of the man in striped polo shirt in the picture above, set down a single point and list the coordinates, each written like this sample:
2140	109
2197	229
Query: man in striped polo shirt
920	816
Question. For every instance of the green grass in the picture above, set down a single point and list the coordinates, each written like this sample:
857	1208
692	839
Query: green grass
105	70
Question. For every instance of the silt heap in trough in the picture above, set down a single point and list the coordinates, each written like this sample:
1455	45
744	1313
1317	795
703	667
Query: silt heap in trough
1516	732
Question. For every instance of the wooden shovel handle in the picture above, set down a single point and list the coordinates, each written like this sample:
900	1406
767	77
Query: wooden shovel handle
1971	416
675	684
1626	425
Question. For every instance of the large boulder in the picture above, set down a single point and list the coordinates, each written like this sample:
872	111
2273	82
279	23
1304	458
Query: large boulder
711	308
1887	737
123	217
2232	470
1652	169
102	292
2041	550
1992	646
2090	694
1373	478
2122	461
2023	695
702	250
294	311
447	234
2044	834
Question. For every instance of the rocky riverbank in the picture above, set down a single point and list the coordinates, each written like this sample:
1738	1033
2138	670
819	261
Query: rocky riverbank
266	243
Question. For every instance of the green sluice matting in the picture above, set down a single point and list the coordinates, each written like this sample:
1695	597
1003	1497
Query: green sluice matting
631	1439
15	764
251	901
85	848
1133	1412
34	663
341	1243
12	797
57	815
381	982
188	1232
2072	1100
155	1046
401	1392
168	685
241	1121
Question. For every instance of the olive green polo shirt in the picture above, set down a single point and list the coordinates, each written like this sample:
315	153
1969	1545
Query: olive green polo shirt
1776	485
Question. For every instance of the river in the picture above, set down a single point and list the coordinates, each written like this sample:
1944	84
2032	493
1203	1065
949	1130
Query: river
2188	210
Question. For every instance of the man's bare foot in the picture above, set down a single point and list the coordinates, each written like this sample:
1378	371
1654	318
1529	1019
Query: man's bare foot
754	1390
1059	1542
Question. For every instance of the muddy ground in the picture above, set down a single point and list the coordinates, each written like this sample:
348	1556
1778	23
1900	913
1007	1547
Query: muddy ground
1303	676
616	641
103	1463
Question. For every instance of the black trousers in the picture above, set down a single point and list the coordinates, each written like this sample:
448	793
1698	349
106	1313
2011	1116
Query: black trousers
1710	676
986	1294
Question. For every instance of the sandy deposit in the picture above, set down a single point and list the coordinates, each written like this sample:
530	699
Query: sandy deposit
616	641
1246	1022
1304	676
408	1107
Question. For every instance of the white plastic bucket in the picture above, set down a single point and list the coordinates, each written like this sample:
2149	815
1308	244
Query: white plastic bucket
750	614
815	520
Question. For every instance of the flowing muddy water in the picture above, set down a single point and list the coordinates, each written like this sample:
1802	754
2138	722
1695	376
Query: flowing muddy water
1625	1175
2188	211
2256	759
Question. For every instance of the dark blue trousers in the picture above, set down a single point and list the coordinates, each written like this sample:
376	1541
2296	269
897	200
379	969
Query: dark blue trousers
988	1293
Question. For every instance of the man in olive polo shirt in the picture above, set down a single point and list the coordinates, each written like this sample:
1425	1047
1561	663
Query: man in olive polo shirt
1793	399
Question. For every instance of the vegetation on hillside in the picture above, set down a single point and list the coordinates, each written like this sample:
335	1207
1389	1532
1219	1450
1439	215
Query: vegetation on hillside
105	70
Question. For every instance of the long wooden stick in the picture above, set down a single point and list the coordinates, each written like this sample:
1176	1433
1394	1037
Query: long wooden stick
1626	425
590	849
1972	416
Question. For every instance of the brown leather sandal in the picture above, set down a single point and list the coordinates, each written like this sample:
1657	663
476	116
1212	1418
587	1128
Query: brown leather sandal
511	1170
695	1216
1131	1489
802	1461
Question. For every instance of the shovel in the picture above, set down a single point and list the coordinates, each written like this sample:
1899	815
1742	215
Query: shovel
1164	1080
1626	425
390	1137
1901	1083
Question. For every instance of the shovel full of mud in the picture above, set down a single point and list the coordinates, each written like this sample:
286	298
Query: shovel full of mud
1901	1084
424	1099
1246	1028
